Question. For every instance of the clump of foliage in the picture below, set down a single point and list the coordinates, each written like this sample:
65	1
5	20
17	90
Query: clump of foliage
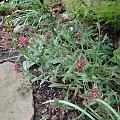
109	12
90	11
5	8
8	8
66	56
70	59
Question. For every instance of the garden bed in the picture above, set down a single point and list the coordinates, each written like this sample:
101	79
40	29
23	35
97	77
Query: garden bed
72	64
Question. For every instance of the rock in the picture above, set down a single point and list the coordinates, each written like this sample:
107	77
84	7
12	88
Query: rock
13	104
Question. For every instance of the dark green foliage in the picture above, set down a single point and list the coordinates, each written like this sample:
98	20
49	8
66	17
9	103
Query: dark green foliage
104	11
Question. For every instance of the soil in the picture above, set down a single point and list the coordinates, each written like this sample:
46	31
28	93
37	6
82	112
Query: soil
51	112
5	56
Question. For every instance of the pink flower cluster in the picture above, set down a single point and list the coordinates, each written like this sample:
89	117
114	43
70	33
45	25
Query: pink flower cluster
78	37
23	41
95	94
32	30
7	38
26	28
80	64
48	35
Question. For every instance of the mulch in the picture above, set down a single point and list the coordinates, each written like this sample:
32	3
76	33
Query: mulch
51	111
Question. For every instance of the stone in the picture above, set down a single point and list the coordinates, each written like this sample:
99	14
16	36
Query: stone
13	104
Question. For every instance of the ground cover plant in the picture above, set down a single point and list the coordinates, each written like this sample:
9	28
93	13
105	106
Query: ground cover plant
90	10
65	55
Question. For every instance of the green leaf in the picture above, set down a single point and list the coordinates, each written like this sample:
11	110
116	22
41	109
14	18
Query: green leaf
116	52
113	59
54	61
27	65
98	25
44	80
58	85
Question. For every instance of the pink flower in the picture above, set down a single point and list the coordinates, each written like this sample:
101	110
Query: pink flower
23	41
80	64
95	92
48	35
32	30
95	95
56	14
85	96
6	45
90	99
78	37
25	28
1	43
7	36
